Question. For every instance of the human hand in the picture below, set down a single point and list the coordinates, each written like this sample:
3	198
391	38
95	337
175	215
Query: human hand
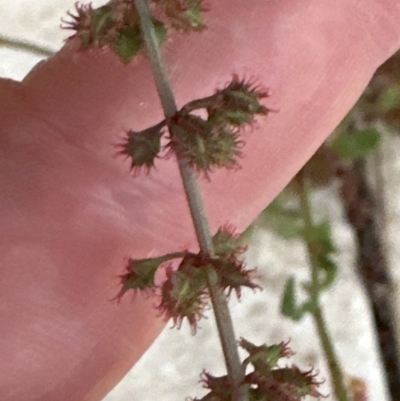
71	213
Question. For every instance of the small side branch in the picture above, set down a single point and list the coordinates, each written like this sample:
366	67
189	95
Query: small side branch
25	46
335	370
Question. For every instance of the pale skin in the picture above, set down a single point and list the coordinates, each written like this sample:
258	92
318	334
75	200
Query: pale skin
71	213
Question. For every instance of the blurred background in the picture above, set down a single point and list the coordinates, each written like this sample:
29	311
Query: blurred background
352	192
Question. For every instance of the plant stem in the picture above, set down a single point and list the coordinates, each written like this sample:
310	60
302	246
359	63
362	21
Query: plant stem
335	370
25	46
330	355
197	211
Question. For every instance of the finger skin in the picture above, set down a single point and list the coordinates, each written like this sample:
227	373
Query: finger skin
71	213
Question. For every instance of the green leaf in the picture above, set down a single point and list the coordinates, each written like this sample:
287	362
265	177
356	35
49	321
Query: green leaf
142	147
160	30
128	43
320	241
264	357
319	237
102	18
390	98
140	273
329	269
225	241
288	304
356	144
194	17
285	222
129	40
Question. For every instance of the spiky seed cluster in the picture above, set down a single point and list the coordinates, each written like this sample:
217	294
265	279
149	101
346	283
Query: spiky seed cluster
267	380
183	15
204	143
297	383
80	23
226	242
139	276
140	273
184	294
213	142
233	275
229	267
205	146
115	25
100	26
142	148
286	384
265	357
238	103
219	387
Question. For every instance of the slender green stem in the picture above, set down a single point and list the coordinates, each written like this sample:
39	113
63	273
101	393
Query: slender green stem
335	370
330	355
25	46
197	210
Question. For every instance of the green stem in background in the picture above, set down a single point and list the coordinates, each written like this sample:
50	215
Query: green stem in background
335	370
25	46
197	210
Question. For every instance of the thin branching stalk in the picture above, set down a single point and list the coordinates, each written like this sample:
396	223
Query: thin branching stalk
335	370
25	46
197	210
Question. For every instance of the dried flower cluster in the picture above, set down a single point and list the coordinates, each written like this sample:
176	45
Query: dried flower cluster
116	25
267	381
